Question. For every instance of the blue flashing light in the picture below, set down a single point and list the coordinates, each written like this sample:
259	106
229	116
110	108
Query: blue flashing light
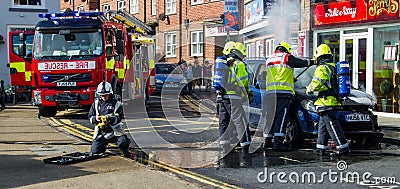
45	77
70	14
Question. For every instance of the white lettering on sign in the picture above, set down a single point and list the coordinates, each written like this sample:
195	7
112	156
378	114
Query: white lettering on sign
336	12
66	65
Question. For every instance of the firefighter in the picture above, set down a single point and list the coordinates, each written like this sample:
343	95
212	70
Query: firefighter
230	108
327	103
279	94
106	113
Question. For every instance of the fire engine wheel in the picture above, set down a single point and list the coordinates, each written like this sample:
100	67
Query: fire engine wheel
47	111
294	136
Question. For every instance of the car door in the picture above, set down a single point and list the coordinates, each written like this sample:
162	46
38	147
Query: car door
257	86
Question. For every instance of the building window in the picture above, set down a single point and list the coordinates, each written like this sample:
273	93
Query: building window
196	41
196	2
153	7
121	5
134	6
28	3
269	47
170	6
170	44
106	7
80	8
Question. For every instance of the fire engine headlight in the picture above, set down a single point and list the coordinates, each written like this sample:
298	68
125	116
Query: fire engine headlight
308	105
159	81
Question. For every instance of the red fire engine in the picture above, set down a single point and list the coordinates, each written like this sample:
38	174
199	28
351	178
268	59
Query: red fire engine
74	51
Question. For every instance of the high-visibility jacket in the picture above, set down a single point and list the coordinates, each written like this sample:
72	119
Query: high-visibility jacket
321	83
238	80
280	75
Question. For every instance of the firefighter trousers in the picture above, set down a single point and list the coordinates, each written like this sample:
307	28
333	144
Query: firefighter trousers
275	114
329	127
232	118
99	144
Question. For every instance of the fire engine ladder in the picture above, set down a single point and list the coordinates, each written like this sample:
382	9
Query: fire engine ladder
131	21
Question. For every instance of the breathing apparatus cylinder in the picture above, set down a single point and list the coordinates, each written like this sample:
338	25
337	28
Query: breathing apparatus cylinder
221	74
343	76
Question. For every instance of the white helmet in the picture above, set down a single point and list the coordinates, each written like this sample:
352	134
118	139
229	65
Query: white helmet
104	88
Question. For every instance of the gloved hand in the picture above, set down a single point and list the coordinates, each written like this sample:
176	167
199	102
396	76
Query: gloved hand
103	122
109	116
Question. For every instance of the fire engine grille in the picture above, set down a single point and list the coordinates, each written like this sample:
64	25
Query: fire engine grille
67	77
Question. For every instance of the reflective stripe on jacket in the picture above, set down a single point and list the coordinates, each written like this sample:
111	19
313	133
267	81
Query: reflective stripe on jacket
239	79
321	82
280	75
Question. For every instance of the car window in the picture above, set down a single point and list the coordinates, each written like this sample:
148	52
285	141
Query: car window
167	69
303	79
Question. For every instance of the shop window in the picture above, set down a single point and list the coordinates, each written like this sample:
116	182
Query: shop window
386	69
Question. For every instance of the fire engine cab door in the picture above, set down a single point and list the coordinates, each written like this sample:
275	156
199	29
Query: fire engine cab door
20	65
355	50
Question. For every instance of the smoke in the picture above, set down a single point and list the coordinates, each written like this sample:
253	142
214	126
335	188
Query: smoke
284	19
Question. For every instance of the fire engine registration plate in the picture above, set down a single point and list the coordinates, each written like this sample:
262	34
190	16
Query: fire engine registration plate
171	85
66	84
357	117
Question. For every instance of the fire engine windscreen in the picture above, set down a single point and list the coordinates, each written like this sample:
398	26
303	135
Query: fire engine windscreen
71	45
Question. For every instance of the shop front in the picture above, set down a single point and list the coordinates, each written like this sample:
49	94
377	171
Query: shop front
367	35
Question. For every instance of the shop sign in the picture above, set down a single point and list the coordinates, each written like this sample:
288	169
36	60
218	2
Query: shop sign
215	30
231	14
349	12
254	12
379	10
339	12
302	39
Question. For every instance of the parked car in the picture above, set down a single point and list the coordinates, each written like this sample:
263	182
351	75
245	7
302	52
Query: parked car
169	78
355	115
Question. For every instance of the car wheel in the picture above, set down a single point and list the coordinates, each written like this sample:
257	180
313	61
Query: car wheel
294	137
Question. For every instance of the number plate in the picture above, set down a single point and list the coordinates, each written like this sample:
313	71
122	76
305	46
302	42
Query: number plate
171	85
66	84
357	117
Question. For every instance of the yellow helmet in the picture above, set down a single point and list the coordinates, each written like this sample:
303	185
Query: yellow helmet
240	47
227	48
284	45
322	49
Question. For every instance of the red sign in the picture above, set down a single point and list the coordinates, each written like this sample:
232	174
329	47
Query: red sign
339	12
379	9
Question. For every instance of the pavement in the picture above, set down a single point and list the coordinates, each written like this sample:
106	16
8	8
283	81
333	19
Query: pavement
25	141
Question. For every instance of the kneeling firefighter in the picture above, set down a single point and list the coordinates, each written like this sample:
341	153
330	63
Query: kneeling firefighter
325	83
234	91
106	113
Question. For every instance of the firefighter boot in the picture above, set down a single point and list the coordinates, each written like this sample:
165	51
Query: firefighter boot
341	152
278	145
245	160
267	143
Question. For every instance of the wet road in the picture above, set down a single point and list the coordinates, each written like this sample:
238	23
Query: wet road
178	132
